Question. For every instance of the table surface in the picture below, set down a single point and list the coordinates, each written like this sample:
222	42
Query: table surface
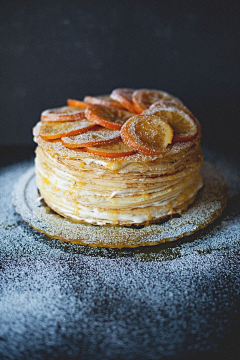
171	301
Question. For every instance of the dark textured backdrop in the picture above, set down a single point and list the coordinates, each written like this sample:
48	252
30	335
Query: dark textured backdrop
52	50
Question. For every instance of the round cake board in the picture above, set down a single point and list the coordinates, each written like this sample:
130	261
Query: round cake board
207	207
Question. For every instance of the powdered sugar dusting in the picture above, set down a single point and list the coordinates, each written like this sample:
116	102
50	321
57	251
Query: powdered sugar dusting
61	300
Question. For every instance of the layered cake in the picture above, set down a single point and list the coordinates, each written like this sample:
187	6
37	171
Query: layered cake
129	158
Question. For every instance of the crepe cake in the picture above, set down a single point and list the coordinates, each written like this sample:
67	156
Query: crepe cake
129	158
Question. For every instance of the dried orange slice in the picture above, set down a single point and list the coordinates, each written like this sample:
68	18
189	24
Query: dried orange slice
77	103
148	134
49	131
65	113
183	123
143	98
103	100
108	117
99	136
167	103
124	97
118	149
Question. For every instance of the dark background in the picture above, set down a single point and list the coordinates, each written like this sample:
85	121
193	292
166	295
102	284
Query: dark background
53	50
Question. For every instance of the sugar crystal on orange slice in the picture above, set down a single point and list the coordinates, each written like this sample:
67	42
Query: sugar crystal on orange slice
64	113
103	100
106	116
183	123
143	98
99	136
56	130
148	134
118	149
124	97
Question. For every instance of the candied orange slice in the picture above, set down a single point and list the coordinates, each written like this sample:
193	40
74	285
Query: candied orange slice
124	97
57	130
108	117
143	98
64	113
103	100
148	134
183	123
167	103
77	103
118	149
99	136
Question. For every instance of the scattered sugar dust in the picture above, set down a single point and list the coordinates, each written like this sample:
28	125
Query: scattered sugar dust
171	301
